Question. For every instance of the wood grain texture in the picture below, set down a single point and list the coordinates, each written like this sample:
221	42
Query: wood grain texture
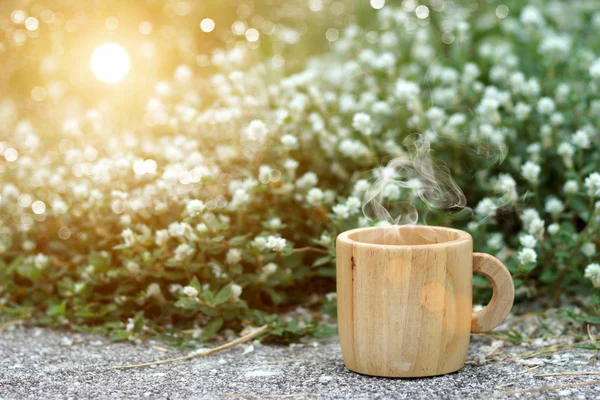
404	300
502	299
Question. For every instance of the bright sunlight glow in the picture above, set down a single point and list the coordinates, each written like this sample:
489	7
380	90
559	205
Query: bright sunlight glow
110	63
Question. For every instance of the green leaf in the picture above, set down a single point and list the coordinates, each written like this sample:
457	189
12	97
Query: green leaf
195	283
211	328
322	261
223	295
238	240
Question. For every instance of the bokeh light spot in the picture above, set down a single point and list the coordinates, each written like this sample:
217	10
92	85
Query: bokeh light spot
207	25
377	4
110	63
252	35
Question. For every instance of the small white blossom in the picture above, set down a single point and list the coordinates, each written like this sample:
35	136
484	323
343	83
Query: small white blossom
257	130
259	243
527	256
495	241
307	180
128	236
133	267
554	206
592	183
486	208
581	139
588	249
531	171
341	210
314	197
553	228
275	243
183	251
571	187
528	241
194	207
233	256
289	141
236	291
595	70
592	272
190	291
362	123
40	261
269	269
545	106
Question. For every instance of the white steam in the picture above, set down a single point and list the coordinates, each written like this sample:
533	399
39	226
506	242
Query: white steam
420	174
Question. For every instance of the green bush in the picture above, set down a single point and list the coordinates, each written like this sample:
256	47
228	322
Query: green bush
220	206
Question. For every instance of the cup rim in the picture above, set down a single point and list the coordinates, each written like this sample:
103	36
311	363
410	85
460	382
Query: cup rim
462	237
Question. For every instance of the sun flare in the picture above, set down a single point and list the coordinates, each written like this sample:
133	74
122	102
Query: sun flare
110	63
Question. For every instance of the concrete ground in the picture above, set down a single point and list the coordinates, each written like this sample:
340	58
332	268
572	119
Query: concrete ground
40	363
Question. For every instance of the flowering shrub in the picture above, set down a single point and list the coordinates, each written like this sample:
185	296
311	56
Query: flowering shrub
221	206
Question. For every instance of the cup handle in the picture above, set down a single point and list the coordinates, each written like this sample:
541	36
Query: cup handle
496	311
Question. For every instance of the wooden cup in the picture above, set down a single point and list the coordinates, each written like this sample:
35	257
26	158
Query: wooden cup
404	296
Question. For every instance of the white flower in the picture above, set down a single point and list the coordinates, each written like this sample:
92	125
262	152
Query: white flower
353	205
194	207
290	165
269	269
486	208
132	267
314	197
183	251
592	272
275	223
527	256
289	141
259	243
507	186
554	206
566	151
190	291
592	183
362	123
236	291
495	241
529	215
40	261
257	130
522	111
536	227
264	174
161	237
240	198
275	243
153	290
353	148
177	229
233	256
341	210
528	241
571	187
545	106
595	69
581	139
407	90
128	236
531	171
307	180
360	187
531	16
589	249
553	228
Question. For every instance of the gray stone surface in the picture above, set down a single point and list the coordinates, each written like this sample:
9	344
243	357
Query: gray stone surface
49	364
